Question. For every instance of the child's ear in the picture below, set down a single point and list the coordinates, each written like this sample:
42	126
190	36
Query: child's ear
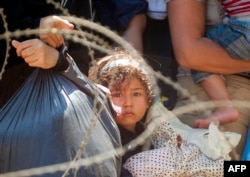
149	104
150	101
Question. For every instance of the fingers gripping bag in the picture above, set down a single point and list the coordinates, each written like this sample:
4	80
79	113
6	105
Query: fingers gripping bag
55	118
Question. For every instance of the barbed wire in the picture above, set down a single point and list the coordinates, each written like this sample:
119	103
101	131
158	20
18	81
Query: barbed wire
92	41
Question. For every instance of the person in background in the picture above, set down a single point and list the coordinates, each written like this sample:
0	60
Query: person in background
42	133
195	51
133	93
126	17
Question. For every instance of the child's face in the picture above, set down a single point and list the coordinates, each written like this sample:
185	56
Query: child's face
133	101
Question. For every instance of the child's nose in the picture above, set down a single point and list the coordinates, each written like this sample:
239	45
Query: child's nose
127	101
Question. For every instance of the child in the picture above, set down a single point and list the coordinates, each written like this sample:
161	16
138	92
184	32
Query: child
233	35
179	149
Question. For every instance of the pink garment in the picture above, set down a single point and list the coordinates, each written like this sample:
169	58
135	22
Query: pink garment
236	8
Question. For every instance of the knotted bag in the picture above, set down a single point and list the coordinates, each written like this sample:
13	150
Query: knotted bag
48	119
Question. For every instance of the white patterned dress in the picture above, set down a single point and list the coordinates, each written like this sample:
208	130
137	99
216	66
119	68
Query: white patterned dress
177	155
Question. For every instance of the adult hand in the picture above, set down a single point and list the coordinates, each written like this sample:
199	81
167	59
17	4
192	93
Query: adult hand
36	53
50	22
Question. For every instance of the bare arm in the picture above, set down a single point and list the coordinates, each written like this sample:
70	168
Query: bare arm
192	50
134	32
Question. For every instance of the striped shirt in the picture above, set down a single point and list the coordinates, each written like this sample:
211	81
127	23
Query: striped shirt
236	8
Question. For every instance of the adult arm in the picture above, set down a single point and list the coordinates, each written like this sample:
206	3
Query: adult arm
192	50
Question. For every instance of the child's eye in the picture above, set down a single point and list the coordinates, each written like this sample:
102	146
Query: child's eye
137	94
116	95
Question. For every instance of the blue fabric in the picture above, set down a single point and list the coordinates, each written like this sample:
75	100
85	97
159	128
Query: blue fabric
127	9
116	14
246	153
234	36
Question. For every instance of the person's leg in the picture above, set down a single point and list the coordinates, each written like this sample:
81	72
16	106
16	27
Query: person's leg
215	87
188	110
236	45
134	32
190	97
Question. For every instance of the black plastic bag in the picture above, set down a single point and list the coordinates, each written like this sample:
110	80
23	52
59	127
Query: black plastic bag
46	120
